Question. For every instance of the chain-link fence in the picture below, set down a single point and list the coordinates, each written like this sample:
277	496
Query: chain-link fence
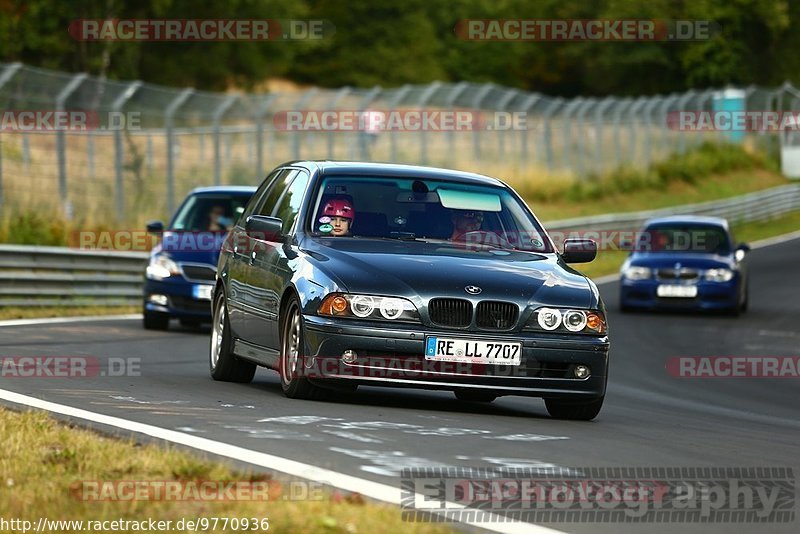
149	145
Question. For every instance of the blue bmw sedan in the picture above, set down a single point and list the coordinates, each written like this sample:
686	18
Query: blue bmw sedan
685	262
340	274
183	266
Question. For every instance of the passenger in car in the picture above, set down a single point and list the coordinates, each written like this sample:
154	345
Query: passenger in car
337	217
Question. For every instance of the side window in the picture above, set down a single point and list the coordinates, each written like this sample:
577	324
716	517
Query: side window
255	200
289	205
276	190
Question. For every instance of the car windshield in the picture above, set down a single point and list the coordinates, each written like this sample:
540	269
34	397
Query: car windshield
429	210
214	213
695	238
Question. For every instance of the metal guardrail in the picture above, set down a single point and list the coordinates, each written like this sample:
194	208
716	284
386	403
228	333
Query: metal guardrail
61	276
46	276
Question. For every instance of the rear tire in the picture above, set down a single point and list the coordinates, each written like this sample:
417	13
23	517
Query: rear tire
155	320
291	361
223	364
475	396
574	410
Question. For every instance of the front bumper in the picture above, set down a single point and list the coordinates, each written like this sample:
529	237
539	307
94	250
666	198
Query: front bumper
182	298
710	295
393	355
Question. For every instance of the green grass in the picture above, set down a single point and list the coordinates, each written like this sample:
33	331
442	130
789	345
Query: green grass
43	462
17	312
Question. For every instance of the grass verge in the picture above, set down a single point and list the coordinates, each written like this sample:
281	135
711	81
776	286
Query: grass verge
44	461
14	312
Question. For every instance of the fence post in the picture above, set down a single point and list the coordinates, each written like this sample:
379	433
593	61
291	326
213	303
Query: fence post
580	117
598	119
119	153
424	98
648	118
301	104
566	118
331	106
261	110
501	106
477	101
547	134
61	148
526	107
392	105
363	150
5	76
449	101
216	118
169	124
683	103
664	109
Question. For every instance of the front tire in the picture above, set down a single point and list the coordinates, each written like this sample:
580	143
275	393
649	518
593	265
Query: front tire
224	365
574	410
291	363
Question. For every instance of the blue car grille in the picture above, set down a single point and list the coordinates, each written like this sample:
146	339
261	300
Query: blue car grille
203	273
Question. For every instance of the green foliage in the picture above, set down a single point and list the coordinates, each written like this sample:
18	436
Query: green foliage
392	43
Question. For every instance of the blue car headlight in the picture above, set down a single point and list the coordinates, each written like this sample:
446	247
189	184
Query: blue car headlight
161	266
635	272
718	275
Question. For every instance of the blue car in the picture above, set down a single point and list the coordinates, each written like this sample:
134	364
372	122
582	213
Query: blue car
685	262
183	266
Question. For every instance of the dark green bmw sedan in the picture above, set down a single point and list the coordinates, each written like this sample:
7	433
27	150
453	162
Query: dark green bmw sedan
340	274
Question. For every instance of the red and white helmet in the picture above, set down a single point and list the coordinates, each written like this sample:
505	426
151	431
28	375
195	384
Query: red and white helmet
339	207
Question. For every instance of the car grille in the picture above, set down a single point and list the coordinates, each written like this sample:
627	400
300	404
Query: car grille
492	315
204	273
677	274
450	312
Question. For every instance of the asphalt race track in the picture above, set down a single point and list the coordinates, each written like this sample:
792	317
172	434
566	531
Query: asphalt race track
649	419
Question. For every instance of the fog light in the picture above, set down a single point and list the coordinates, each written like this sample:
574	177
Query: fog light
349	356
581	371
161	300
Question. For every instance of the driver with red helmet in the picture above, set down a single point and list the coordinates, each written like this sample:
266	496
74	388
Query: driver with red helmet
337	217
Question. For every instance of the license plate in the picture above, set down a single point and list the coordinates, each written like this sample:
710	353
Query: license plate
202	292
686	292
447	349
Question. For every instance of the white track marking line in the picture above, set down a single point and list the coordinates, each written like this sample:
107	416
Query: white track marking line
78	319
375	490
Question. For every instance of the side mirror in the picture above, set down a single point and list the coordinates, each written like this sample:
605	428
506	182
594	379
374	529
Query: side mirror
155	227
579	250
264	228
741	250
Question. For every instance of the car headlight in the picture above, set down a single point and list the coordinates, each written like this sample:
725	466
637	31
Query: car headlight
637	273
371	307
161	266
719	275
568	320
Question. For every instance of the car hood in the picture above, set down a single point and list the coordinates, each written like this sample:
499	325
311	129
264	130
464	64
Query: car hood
425	270
191	247
665	260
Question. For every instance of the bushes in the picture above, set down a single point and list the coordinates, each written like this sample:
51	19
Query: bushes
705	160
